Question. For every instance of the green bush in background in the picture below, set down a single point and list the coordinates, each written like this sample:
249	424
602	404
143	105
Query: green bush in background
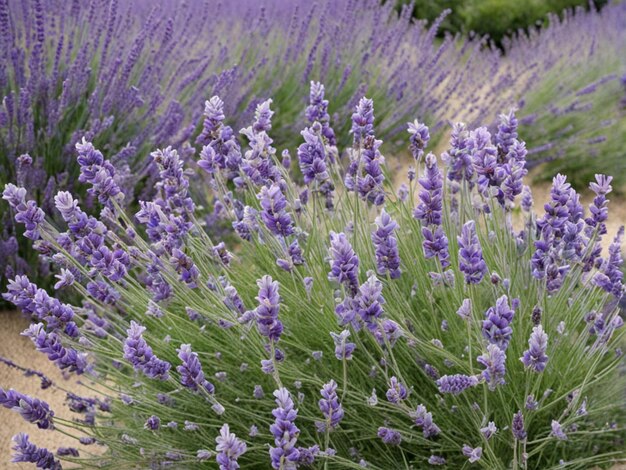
497	18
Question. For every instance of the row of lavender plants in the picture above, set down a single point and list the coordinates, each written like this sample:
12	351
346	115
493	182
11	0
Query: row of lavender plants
571	87
128	76
356	325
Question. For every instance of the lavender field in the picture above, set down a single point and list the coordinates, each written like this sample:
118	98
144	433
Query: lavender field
287	234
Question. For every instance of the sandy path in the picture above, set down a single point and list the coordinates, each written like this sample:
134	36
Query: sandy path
20	350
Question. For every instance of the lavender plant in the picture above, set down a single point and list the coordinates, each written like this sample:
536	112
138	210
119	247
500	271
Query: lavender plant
345	331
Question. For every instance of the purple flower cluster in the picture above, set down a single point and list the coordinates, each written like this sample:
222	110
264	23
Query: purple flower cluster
26	212
221	149
456	384
99	173
31	409
344	264
424	419
535	356
229	448
343	348
494	362
140	355
389	436
267	311
312	156
429	211
386	246
397	392
517	427
317	111
497	324
471	261
285	432
330	407
26	451
191	374
273	213
610	278
50	344
419	137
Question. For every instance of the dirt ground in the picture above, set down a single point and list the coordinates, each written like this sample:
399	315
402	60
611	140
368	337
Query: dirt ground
21	351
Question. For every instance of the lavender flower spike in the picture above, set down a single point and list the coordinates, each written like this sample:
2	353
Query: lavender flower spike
456	384
267	311
26	451
343	349
27	212
344	265
419	137
229	448
517	427
471	261
496	326
285	432
389	436
140	355
397	391
330	407
473	454
31	409
386	246
557	430
494	362
363	121
190	370
535	356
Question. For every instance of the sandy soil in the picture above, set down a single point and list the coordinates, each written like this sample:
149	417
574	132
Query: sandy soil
21	351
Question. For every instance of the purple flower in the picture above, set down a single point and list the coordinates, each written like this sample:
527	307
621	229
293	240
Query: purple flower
31	409
343	349
485	160
397	391
430	208
527	199
97	172
273	204
50	344
535	356
506	135
140	355
26	451
267	311
424	419
263	117
369	301
610	278
517	427
458	158
370	184
418	140
65	278
436	460
465	310
472	454
456	384
386	246
312	157
471	261
489	430
389	436
317	111
191	374
185	267
229	448
344	265
496	326
363	121
153	423
598	208
435	244
26	212
330	407
285	432
557	431
494	362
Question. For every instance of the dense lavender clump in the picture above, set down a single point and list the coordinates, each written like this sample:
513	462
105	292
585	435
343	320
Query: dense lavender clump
385	370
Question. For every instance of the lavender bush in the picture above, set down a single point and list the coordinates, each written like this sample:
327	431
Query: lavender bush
128	76
354	325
